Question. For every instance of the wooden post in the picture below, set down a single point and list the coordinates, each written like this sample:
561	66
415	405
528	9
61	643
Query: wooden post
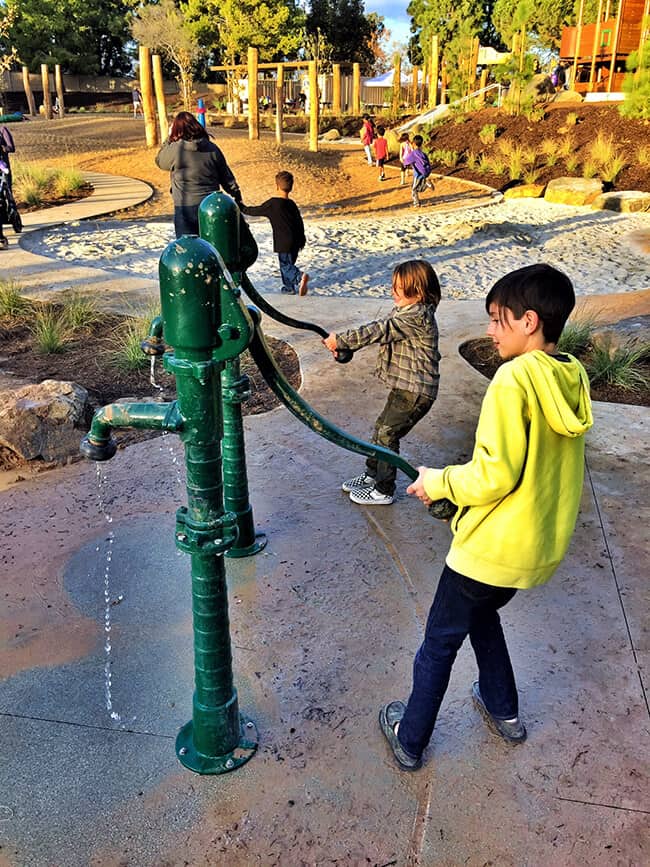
336	89
612	64
253	104
31	105
313	106
148	109
435	72
443	83
595	47
397	85
58	84
356	88
474	63
413	99
581	12
159	89
47	102
279	102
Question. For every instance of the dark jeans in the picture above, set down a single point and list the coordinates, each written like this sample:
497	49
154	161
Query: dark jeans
186	220
460	607
291	276
402	412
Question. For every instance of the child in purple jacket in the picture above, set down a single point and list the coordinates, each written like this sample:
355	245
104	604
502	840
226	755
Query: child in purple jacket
421	169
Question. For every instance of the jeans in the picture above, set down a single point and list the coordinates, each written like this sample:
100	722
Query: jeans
186	220
291	276
402	412
460	607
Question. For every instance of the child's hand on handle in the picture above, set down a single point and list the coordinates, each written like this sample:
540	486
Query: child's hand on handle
330	342
416	488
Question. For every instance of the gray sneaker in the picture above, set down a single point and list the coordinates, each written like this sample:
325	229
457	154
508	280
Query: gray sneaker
362	481
513	731
389	716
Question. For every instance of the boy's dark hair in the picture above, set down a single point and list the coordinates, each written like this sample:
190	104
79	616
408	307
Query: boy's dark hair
284	181
418	141
381	130
416	279
404	137
541	288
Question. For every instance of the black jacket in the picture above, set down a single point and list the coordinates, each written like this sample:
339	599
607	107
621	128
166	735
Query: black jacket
286	222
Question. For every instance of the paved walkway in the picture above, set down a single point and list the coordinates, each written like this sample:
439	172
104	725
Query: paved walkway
324	624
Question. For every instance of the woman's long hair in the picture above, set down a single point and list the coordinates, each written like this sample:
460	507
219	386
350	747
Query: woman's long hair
186	127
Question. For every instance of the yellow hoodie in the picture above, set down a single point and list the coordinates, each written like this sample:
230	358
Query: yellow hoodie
518	496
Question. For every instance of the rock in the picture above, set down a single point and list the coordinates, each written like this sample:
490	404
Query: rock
331	135
567	96
573	191
639	241
625	201
43	421
525	191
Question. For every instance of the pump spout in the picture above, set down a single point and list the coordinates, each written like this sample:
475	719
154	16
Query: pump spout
153	343
99	445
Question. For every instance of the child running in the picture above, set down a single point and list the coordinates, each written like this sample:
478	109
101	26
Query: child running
288	233
421	169
517	499
407	363
404	148
381	151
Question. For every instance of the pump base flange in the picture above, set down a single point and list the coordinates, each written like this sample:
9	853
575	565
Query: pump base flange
202	764
254	548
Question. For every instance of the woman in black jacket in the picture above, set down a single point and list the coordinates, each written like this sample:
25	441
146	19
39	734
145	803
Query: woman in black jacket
197	168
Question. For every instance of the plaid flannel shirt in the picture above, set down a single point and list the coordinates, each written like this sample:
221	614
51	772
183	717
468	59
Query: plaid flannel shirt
408	348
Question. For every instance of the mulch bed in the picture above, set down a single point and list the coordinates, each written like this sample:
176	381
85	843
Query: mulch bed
87	361
480	353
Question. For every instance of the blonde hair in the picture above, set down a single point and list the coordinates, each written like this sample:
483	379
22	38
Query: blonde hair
416	279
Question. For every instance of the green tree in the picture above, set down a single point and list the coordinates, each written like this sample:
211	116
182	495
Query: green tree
86	37
636	84
545	23
347	29
228	28
163	28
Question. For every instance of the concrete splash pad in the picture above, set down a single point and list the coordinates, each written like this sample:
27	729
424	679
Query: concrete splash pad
324	623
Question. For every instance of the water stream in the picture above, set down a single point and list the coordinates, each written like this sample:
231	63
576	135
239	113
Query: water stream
102	479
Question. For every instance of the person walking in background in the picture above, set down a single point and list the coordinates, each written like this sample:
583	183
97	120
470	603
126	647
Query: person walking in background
7	146
421	169
197	168
288	232
367	137
137	102
381	151
404	148
518	499
408	364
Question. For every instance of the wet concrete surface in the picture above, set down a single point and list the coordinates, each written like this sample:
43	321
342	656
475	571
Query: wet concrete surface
324	624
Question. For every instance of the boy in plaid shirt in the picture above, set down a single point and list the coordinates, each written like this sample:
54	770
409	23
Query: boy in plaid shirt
408	364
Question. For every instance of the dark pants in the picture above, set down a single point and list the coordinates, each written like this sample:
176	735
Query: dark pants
186	220
402	412
291	276
461	607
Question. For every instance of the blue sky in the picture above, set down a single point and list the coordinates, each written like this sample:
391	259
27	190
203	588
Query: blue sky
395	17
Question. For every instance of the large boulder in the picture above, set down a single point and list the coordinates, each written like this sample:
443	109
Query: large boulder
525	191
331	135
573	191
44	420
625	201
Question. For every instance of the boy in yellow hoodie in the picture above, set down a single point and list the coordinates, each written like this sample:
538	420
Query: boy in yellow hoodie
517	500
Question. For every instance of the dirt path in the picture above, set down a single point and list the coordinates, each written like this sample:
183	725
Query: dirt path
335	182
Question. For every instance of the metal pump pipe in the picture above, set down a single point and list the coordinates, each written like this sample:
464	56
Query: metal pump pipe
99	445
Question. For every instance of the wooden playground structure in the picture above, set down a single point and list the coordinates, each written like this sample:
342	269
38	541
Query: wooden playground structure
597	52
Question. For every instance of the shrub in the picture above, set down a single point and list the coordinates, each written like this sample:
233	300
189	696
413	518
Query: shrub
571	119
79	311
535	114
636	84
621	366
13	305
126	353
611	170
578	336
531	176
472	161
602	150
566	146
589	170
444	157
50	331
548	146
488	133
572	162
643	156
67	182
